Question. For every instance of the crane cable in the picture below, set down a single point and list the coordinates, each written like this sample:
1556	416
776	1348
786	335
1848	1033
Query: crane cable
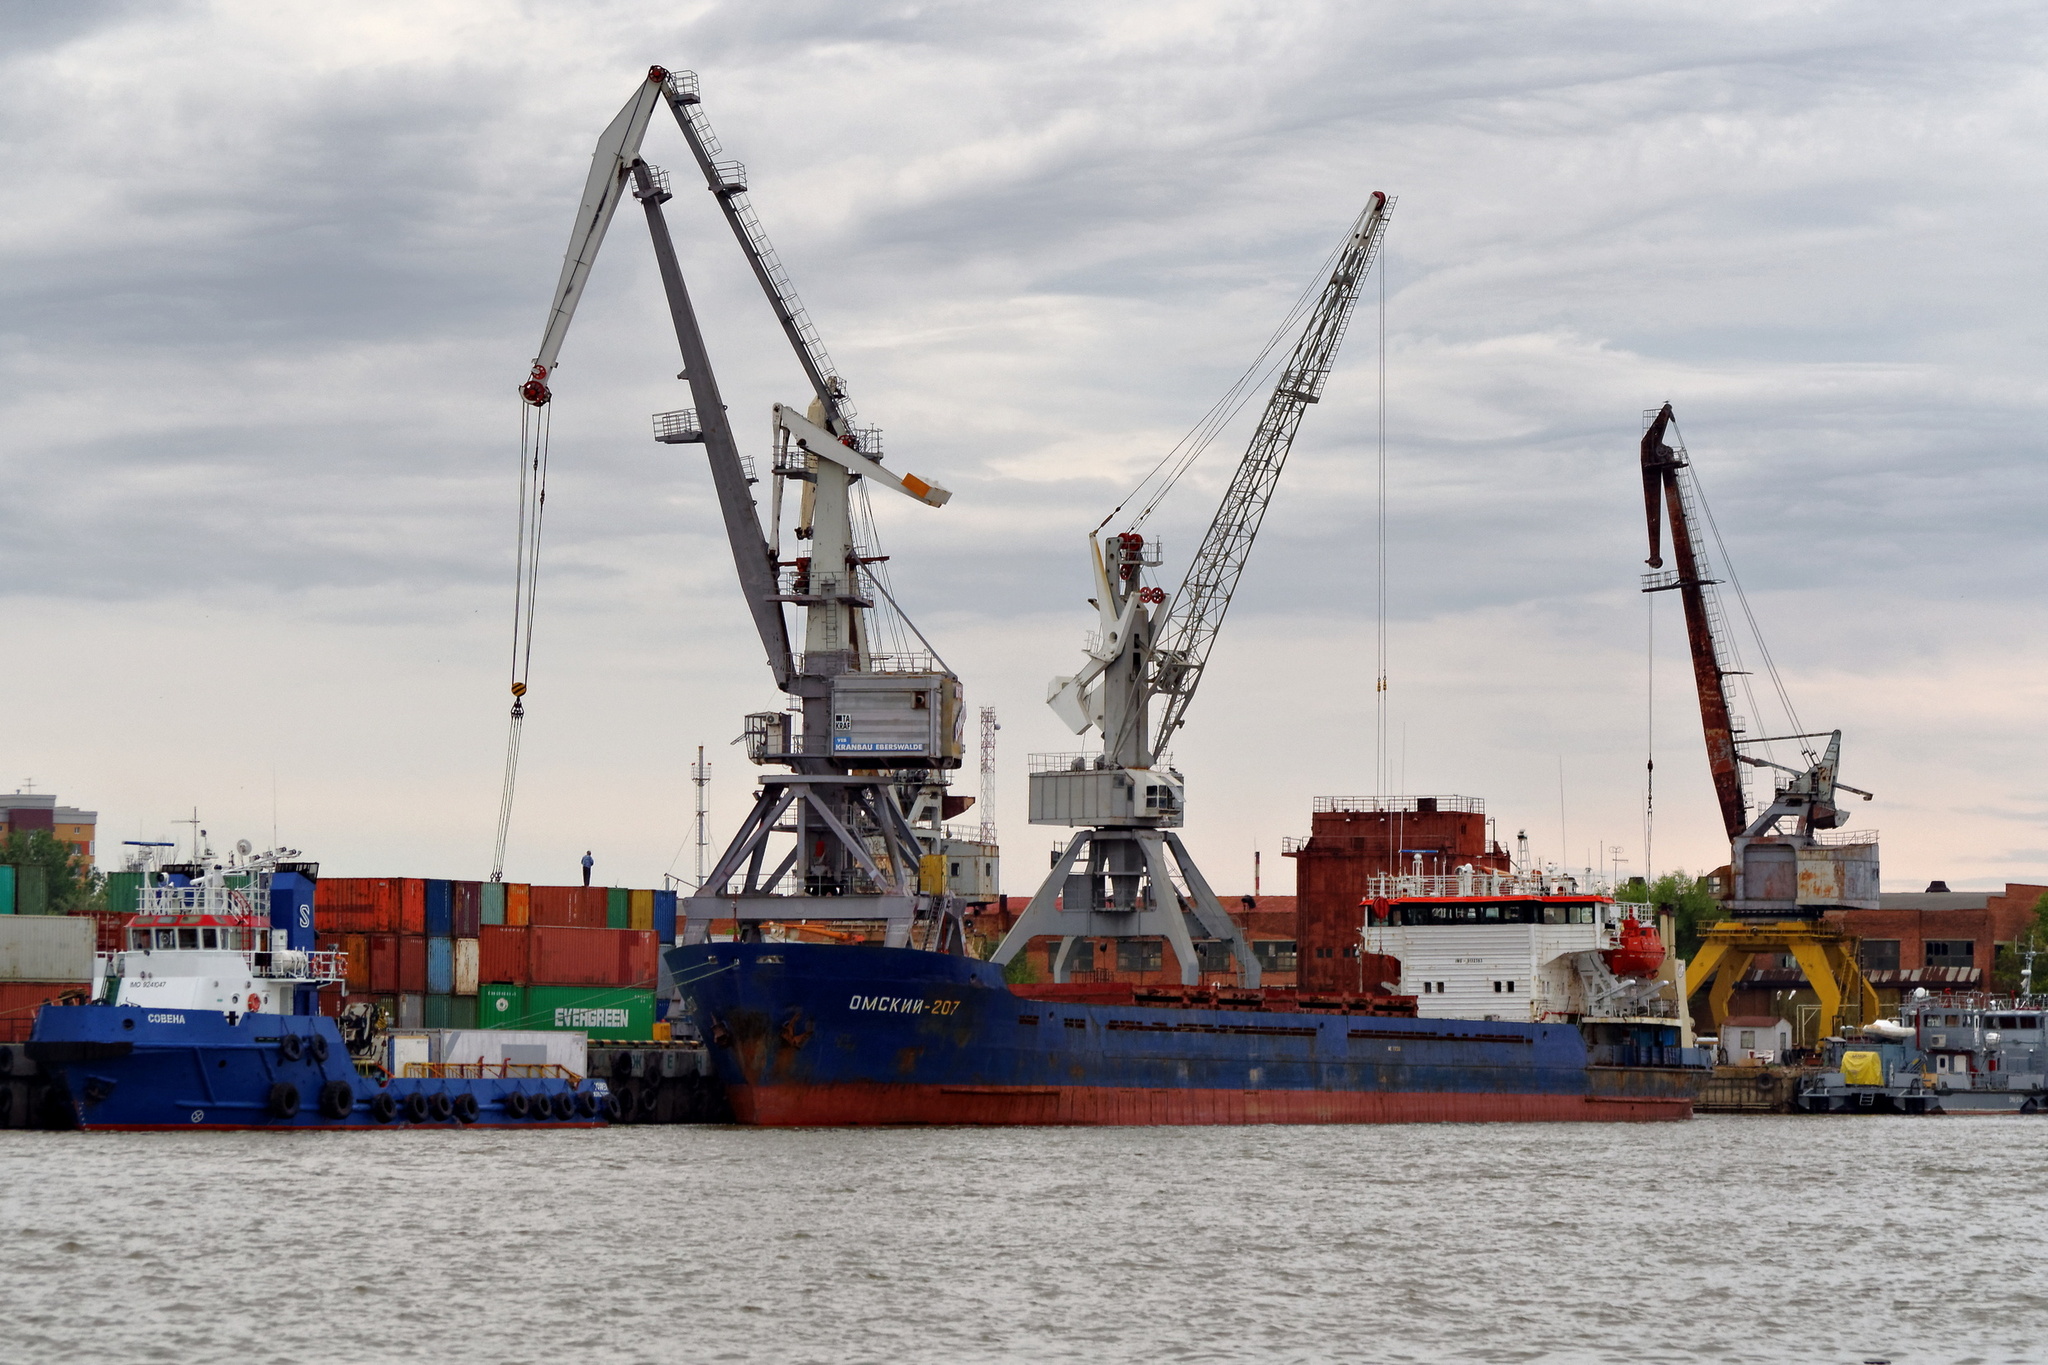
534	427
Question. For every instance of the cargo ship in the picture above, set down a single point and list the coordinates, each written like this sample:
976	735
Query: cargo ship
208	1017
836	1034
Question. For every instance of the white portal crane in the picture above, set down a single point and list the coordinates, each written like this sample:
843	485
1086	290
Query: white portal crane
1145	651
877	732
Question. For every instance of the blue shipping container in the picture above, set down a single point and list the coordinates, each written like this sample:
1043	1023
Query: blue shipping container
441	965
440	909
664	917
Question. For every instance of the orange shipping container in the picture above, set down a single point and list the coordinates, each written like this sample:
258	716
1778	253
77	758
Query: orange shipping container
358	905
563	955
518	903
357	946
502	955
639	958
19	1001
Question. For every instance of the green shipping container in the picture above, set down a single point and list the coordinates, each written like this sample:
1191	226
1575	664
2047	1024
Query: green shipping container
612	1012
435	1015
462	1011
493	905
618	908
6	888
31	889
124	890
500	1006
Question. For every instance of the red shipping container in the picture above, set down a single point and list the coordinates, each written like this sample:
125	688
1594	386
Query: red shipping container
357	905
412	910
592	907
468	908
412	965
357	946
639	955
563	955
552	905
383	964
501	955
19	1001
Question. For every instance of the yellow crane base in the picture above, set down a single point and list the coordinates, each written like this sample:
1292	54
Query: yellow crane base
1826	954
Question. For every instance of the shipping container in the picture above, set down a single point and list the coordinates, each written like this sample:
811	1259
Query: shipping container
383	964
6	888
46	948
468	908
435	1013
31	889
466	964
357	946
357	905
601	1012
640	910
500	1005
440	966
552	905
618	908
440	908
412	906
518	903
124	890
462	1011
528	1047
559	955
502	955
491	900
412	965
412	1009
19	1001
108	926
664	918
639	959
593	907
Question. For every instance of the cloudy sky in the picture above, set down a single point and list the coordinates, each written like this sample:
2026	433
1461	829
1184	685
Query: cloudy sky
272	272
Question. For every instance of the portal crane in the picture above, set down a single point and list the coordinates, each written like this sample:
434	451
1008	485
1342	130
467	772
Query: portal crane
1784	871
1147	652
877	732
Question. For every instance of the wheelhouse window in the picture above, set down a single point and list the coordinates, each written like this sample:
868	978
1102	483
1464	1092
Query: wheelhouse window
209	938
188	938
167	938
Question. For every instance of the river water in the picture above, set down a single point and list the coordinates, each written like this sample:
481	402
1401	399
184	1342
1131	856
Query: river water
1722	1239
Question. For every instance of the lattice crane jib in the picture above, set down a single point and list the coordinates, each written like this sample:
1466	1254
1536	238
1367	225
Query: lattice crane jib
873	728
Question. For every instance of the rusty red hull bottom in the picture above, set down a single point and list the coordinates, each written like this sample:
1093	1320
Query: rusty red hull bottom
877	1104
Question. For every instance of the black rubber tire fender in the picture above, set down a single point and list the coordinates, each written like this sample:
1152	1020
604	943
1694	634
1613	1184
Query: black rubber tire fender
442	1107
650	1100
383	1108
284	1100
564	1106
2030	1106
337	1099
519	1104
416	1107
627	1098
290	1046
466	1107
316	1045
613	1110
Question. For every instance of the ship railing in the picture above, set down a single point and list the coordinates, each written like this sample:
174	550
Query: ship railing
253	899
298	966
1844	838
488	1071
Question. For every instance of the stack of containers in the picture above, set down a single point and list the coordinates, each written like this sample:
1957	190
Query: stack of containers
448	954
41	958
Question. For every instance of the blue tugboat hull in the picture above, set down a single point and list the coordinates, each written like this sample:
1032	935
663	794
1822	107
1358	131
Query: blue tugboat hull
126	1067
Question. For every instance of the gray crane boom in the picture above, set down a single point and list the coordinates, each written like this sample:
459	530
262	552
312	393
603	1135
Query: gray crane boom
1203	597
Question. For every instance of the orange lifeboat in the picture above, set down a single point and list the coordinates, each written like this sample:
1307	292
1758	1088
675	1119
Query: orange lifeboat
1637	953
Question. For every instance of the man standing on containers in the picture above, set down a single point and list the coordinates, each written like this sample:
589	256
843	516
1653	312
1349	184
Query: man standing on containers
587	860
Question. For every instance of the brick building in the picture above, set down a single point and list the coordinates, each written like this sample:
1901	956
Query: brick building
26	811
1912	931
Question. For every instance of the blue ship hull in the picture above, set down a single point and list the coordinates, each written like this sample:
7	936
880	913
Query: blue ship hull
806	1034
128	1067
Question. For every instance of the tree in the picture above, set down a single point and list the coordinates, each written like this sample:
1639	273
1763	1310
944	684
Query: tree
2011	957
73	883
1691	905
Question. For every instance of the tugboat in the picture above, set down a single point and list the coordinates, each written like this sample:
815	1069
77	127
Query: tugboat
1945	1054
209	1018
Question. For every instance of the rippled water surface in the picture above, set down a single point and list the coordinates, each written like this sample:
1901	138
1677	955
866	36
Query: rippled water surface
1725	1239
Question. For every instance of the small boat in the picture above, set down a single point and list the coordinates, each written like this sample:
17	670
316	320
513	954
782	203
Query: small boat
209	1017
